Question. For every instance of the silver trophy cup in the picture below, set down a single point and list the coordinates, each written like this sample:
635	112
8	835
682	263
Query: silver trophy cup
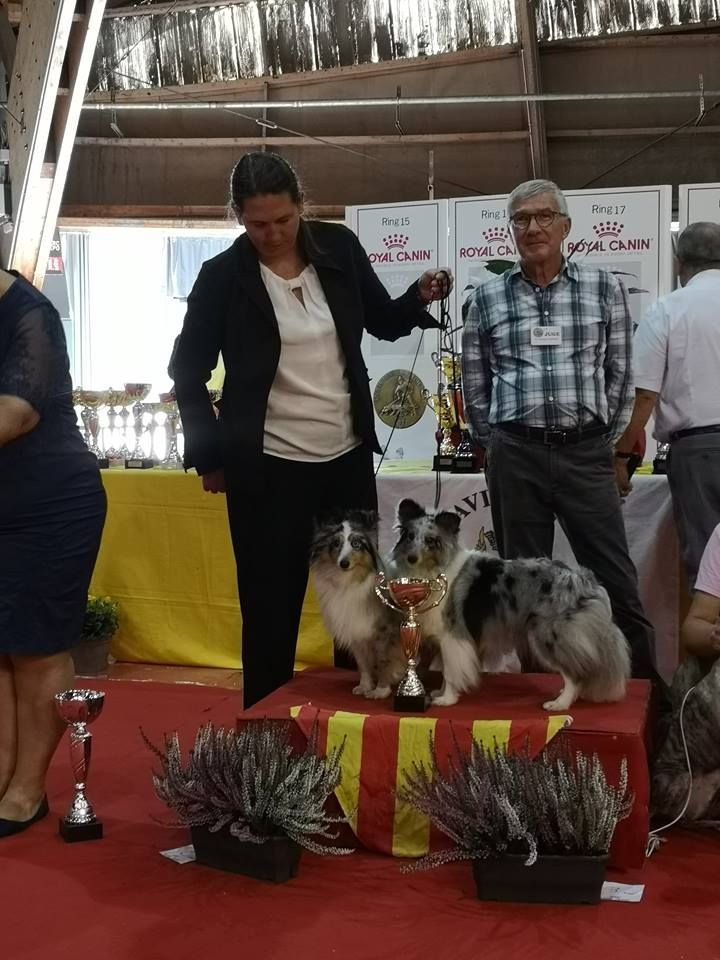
410	596
78	708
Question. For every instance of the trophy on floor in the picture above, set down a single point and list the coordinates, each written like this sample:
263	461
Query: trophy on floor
91	401
410	596
78	708
138	460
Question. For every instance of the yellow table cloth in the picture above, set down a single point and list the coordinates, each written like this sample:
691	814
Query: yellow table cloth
166	557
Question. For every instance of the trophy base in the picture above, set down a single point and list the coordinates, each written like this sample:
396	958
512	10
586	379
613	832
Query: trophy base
146	463
443	462
75	832
103	463
410	703
465	465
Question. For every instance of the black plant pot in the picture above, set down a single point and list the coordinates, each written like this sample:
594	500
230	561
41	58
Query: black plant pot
276	860
551	879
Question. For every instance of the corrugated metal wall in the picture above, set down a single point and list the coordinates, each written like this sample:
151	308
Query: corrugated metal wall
274	37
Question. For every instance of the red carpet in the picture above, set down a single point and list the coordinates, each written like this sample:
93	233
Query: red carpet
117	898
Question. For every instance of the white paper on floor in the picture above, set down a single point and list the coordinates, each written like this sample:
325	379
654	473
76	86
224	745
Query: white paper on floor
627	892
180	854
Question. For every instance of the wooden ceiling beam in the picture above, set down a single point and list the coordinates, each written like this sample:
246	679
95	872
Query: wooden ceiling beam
202	143
15	11
67	116
8	41
532	80
43	124
41	45
407	140
77	213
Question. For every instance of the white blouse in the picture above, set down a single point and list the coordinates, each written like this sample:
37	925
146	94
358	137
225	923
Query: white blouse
308	412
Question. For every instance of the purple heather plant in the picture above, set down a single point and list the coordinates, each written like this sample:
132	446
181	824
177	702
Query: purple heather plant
252	781
492	803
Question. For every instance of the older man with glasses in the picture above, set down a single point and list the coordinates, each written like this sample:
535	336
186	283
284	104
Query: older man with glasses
546	360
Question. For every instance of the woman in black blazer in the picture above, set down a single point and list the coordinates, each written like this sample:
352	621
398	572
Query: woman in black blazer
287	305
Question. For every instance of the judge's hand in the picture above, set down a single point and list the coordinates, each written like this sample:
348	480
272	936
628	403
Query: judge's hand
214	482
435	284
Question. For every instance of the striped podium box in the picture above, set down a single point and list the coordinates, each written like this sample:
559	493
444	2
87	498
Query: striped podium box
506	711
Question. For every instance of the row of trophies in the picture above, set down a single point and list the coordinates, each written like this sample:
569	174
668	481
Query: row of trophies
105	416
455	451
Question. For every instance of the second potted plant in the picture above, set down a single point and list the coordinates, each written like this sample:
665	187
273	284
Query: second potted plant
536	830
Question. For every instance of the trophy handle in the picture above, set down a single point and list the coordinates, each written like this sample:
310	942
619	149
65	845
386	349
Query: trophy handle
438	589
382	592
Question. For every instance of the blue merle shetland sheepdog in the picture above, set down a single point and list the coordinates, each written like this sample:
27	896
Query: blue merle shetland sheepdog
552	616
344	561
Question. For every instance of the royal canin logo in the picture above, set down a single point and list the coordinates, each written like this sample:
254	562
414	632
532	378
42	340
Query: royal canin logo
495	234
608	228
396	241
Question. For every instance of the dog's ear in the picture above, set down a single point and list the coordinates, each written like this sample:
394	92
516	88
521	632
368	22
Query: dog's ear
448	522
367	520
319	542
409	510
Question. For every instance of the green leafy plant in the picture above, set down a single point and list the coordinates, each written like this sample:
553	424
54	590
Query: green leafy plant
491	804
253	782
102	617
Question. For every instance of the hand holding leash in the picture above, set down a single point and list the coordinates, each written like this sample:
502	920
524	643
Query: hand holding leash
435	285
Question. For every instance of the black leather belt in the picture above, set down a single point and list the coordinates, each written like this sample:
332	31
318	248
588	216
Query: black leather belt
553	436
694	432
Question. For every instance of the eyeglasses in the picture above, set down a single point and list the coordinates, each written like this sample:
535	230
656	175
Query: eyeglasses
544	219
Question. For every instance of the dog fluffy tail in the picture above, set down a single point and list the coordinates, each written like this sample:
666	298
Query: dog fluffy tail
587	647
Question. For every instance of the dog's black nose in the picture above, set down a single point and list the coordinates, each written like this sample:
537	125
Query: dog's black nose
344	564
412	558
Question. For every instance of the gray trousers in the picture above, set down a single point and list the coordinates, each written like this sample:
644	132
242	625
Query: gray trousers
530	484
694	476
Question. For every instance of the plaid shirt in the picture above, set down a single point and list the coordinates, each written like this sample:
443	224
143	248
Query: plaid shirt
583	380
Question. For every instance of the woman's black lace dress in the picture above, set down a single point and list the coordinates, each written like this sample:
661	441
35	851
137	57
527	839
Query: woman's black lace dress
52	502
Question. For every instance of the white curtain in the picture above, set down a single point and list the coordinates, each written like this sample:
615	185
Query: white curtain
185	256
76	256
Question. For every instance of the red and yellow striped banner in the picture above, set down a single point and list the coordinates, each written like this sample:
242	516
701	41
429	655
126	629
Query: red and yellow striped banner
379	748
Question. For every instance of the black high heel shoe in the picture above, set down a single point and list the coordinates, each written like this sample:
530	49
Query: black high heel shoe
10	827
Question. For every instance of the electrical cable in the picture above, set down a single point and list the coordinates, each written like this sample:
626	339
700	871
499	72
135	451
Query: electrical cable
654	838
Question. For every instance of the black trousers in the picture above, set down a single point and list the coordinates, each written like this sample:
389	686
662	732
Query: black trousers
271	534
530	484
